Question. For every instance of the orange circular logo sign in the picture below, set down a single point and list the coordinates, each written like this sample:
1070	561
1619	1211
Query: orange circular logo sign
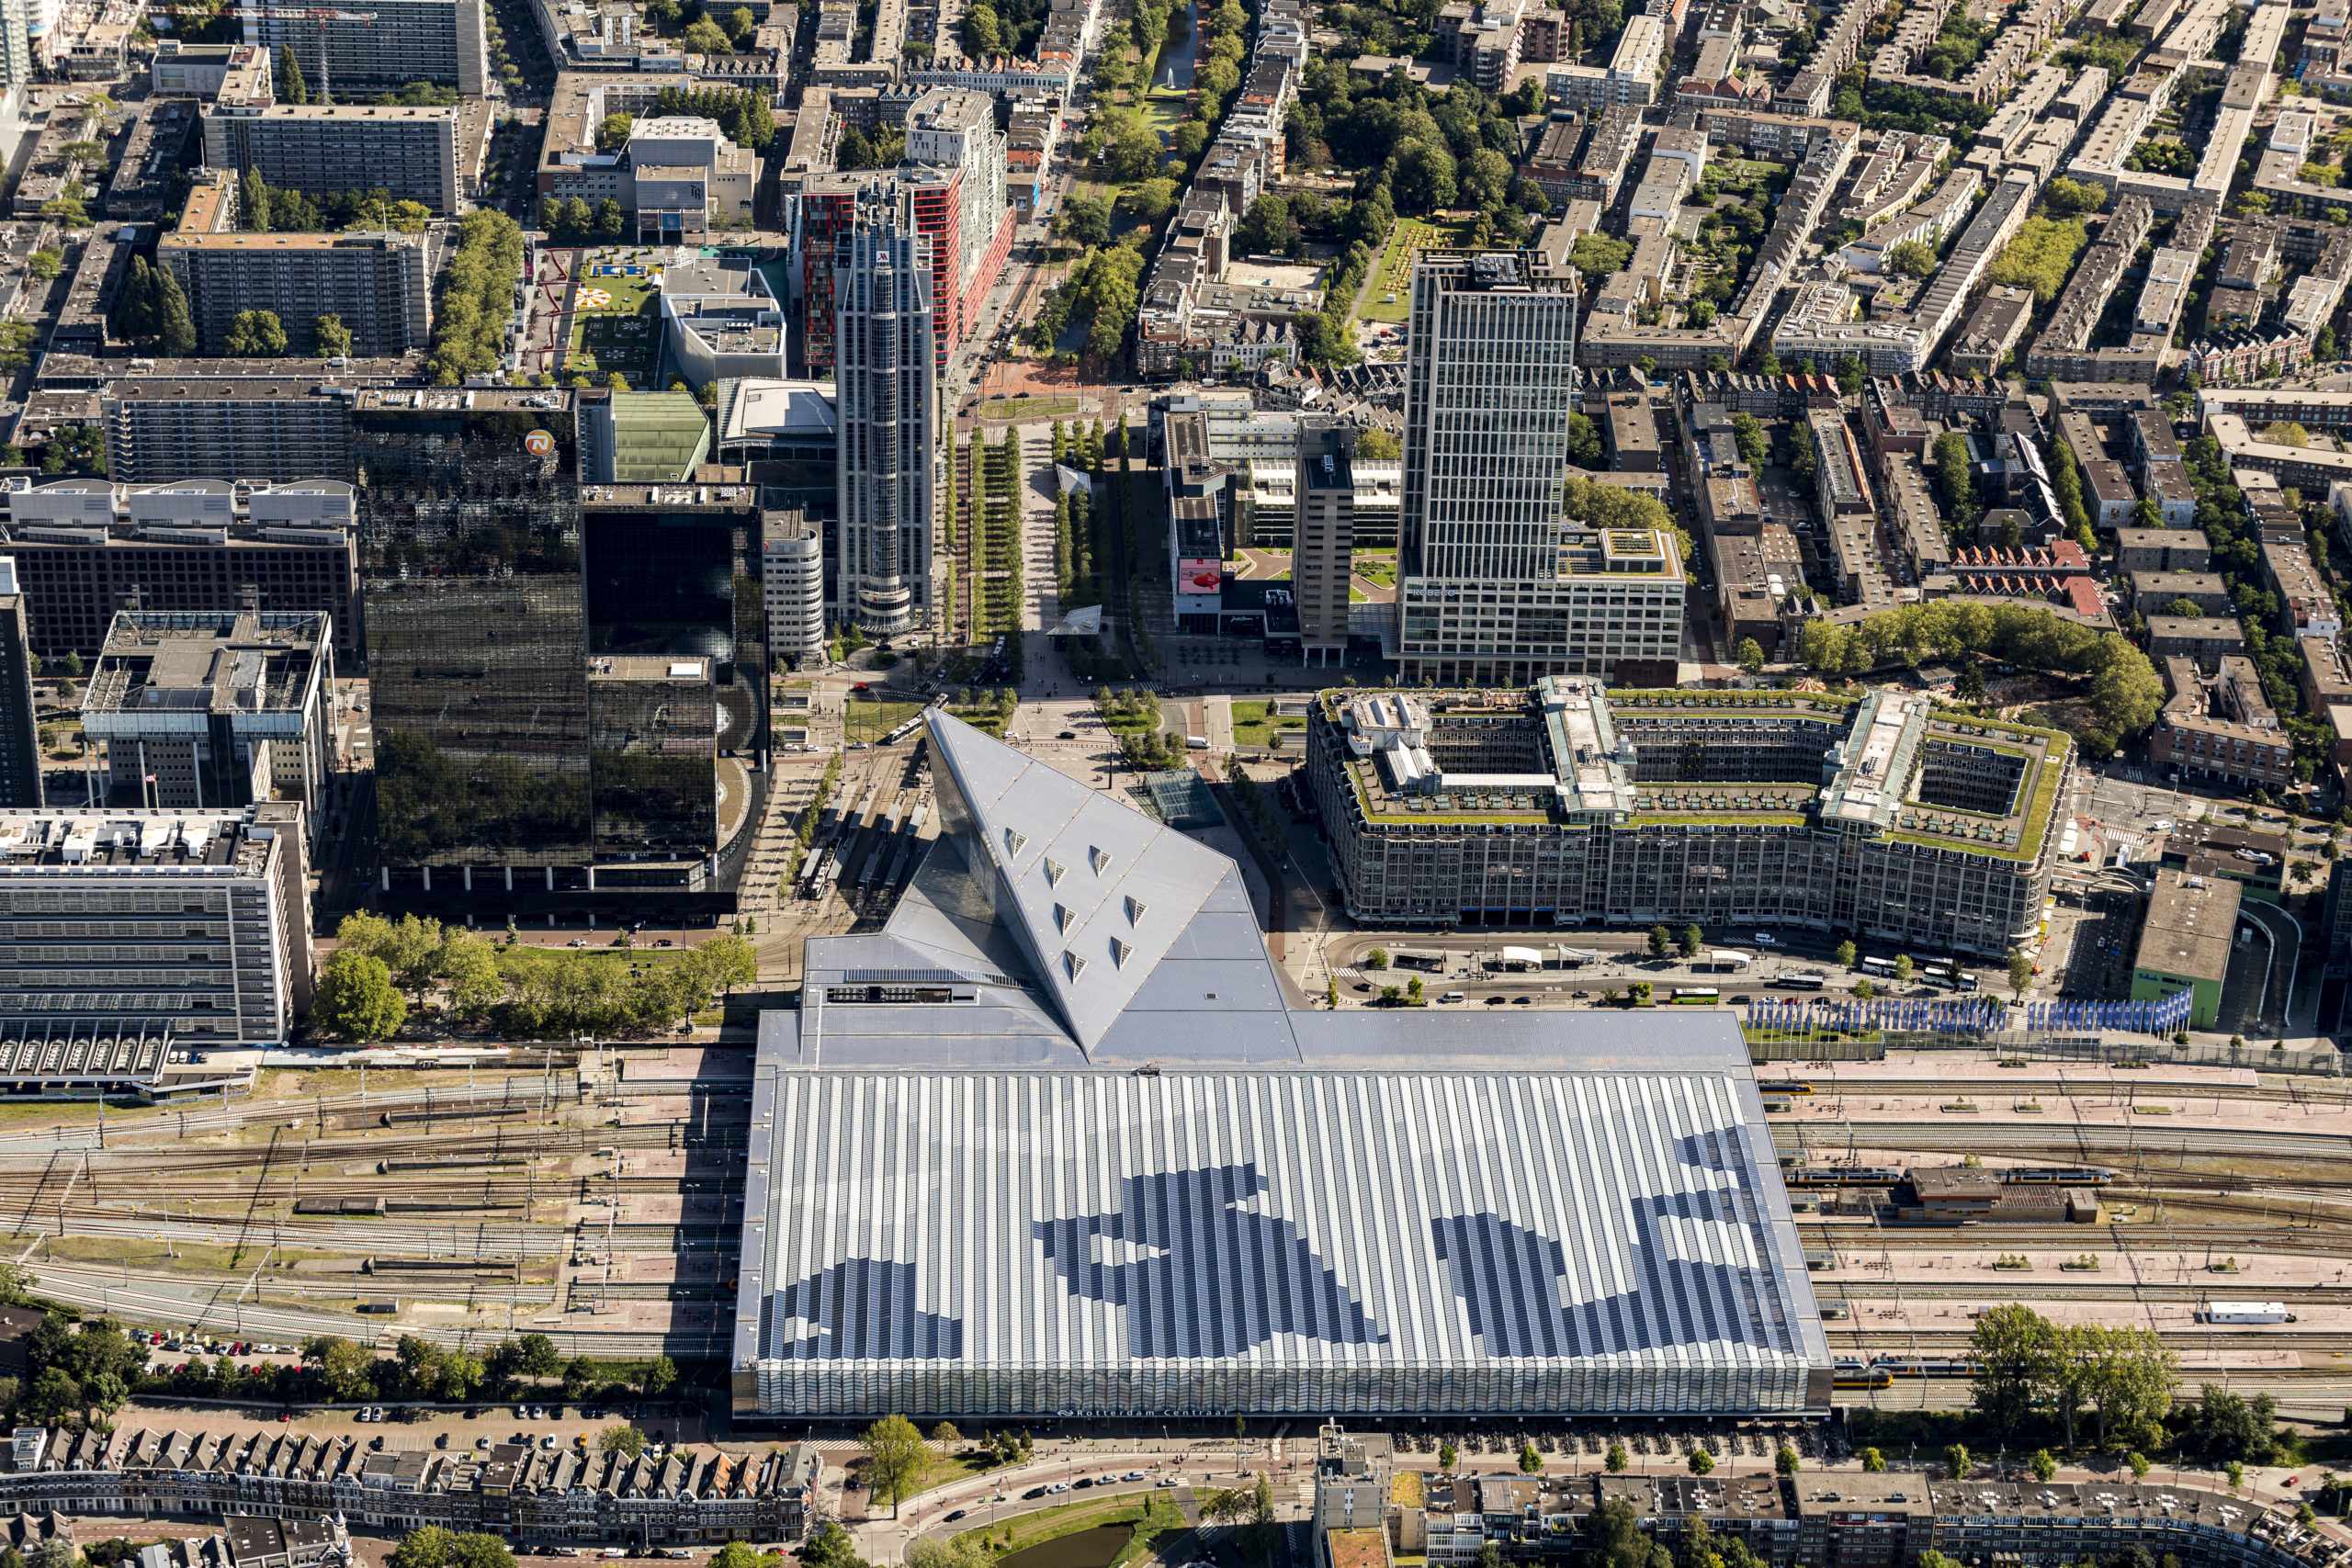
539	444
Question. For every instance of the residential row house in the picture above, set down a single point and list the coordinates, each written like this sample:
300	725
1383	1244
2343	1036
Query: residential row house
687	1495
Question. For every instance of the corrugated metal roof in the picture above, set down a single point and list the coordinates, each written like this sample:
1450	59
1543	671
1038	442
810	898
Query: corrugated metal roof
1384	1223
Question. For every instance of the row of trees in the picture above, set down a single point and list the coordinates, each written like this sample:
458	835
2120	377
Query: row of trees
2029	1366
265	208
478	298
2123	693
153	312
521	990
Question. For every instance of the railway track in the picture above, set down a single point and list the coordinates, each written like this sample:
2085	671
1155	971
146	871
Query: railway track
2085	1143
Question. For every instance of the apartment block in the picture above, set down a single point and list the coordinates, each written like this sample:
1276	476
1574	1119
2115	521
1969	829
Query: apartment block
399	42
410	150
159	429
379	286
1570	804
19	723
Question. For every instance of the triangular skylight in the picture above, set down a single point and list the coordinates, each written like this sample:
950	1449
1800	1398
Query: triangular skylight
1063	918
1121	952
1100	858
1013	842
1134	910
1073	964
1055	872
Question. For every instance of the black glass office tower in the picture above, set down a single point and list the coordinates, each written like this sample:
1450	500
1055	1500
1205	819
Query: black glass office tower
469	563
678	663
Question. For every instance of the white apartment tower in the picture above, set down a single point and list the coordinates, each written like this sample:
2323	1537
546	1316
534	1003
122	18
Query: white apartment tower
792	584
951	128
1483	594
886	393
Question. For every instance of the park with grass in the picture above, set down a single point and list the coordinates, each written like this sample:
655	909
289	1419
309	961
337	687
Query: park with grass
1388	294
615	325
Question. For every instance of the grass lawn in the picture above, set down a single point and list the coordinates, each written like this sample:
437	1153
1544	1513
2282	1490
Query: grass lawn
870	722
1393	274
1254	724
1375	566
607	340
1029	408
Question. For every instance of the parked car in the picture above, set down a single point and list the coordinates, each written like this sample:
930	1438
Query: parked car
1132	1476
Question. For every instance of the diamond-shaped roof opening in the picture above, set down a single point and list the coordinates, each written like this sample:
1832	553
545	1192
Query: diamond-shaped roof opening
1036	821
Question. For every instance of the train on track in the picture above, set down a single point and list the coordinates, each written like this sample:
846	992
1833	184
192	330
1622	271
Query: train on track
1889	1175
1883	1374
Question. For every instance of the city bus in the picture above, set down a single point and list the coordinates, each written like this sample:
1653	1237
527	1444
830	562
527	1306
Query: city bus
1704	996
1804	979
1883	967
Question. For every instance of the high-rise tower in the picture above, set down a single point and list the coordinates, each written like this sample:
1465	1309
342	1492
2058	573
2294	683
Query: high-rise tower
1488	391
886	391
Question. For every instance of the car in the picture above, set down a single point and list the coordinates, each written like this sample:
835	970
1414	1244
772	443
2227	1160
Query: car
1033	1493
1170	1480
546	1439
1132	1475
565	1552
1066	735
1582	994
1059	1486
1454	997
954	1517
482	1444
577	942
1497	1001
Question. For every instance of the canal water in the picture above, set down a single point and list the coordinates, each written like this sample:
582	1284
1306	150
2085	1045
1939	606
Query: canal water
1085	1549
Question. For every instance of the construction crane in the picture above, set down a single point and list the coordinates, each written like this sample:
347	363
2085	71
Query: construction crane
247	14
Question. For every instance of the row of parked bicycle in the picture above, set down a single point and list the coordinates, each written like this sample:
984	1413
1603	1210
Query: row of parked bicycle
1662	1442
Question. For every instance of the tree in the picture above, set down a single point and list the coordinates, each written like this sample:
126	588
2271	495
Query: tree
2014	1349
44	264
1530	1461
2227	1426
1864	990
1689	940
829	1547
253	205
1661	941
1954	481
954	1553
945	1435
2045	1465
1377	959
1702	1462
1845	955
1874	1463
355	1001
1911	258
660	1376
1785	1461
1151	200
2286	433
2020	975
334	337
1616	1459
895	1457
1902	968
1446	1454
429	1546
1378	445
479	1549
612	131
704	36
292	87
621	1440
1956	1461
254	335
1750	656
1755	448
1083	221
176	327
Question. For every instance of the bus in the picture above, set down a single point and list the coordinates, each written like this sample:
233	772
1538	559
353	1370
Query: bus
1704	996
1883	966
1963	980
1934	975
1804	979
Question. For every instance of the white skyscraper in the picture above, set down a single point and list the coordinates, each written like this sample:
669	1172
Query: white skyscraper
1494	588
886	395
